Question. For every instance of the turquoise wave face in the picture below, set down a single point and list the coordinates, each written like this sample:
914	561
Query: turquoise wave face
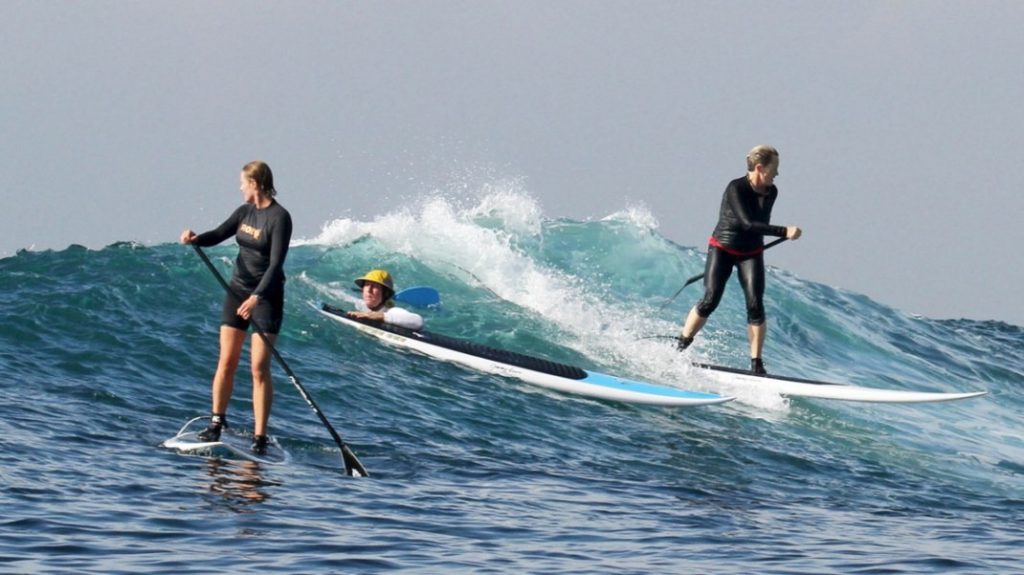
107	352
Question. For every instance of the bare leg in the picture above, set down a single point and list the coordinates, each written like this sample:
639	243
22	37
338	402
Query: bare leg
756	334
694	323
231	340
262	385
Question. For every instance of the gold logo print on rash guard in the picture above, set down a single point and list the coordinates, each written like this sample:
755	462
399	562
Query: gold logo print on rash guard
254	232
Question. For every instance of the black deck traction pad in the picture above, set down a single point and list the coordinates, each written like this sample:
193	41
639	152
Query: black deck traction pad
747	372
474	349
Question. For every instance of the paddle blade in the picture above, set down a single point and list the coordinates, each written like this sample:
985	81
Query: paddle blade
353	468
419	296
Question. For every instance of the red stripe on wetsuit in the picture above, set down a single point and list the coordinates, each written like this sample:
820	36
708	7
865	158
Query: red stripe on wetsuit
713	241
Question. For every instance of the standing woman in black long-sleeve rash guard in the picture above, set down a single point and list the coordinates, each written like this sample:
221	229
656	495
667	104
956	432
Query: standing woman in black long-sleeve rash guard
263	230
738	241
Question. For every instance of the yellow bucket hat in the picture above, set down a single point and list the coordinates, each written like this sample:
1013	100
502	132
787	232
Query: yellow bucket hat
378	277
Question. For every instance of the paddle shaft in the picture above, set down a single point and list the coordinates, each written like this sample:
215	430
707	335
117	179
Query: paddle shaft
700	276
352	464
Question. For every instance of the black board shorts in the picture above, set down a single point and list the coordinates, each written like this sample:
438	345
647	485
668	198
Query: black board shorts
268	314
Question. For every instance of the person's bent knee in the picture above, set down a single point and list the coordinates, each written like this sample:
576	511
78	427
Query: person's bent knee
706	307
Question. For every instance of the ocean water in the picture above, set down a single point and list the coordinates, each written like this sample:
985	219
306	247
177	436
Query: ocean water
105	353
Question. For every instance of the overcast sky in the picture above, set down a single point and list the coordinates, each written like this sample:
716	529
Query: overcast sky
899	123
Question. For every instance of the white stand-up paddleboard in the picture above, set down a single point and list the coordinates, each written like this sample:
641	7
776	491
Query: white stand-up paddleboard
797	387
232	444
541	372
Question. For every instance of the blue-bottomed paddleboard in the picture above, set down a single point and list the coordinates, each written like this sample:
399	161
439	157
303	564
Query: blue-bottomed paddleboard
549	374
232	444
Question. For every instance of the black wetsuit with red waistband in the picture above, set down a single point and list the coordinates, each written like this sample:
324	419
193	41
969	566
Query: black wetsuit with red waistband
263	236
738	241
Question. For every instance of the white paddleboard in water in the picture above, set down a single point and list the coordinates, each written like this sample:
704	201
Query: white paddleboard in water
232	444
534	370
798	387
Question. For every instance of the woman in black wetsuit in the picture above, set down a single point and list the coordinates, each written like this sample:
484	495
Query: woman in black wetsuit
263	229
738	241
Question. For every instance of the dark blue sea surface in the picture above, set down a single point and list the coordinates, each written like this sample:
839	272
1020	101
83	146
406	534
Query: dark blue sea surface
106	353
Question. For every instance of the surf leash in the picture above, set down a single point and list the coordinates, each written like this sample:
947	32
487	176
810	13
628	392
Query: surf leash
701	276
472	275
352	465
672	337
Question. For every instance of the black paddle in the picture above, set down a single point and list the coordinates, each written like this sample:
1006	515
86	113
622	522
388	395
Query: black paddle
700	276
352	465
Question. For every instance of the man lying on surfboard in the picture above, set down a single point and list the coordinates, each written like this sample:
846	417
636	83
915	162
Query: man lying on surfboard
378	305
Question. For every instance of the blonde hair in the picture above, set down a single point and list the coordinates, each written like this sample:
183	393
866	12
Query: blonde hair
260	173
762	155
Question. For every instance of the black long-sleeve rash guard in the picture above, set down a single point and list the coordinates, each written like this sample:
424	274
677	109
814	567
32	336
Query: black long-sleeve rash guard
744	217
263	237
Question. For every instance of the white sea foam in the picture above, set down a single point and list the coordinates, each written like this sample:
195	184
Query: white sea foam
490	234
